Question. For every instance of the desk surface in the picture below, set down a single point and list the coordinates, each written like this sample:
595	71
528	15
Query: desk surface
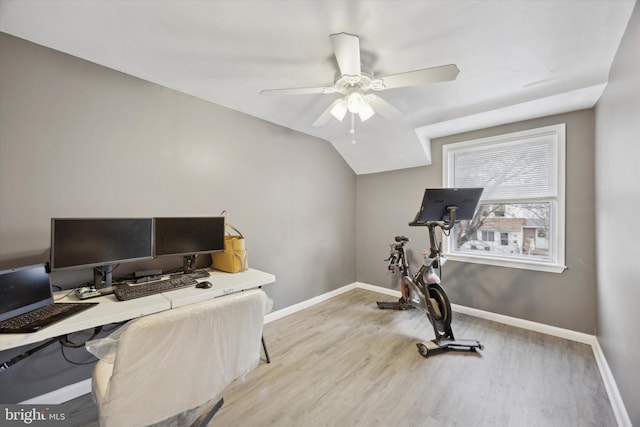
110	310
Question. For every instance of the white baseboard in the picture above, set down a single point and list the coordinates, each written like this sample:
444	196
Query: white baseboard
500	318
81	388
378	289
527	324
61	395
619	410
275	315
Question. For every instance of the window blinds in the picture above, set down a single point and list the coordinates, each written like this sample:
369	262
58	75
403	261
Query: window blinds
522	169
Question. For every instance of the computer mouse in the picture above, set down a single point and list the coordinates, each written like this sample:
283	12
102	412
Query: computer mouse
204	285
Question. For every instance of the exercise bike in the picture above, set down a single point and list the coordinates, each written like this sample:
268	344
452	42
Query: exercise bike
423	290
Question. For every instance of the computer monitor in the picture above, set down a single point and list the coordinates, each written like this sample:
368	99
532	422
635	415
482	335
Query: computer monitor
24	289
188	237
436	201
99	243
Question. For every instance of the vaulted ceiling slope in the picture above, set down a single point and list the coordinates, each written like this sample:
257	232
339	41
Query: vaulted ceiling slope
518	59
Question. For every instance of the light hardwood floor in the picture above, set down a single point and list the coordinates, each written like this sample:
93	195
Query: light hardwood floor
344	362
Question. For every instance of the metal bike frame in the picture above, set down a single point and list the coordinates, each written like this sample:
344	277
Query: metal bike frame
417	291
418	295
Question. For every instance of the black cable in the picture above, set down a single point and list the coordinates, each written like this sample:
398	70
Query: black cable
116	325
66	343
64	296
91	362
6	365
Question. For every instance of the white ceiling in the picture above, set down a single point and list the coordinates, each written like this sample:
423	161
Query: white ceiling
518	59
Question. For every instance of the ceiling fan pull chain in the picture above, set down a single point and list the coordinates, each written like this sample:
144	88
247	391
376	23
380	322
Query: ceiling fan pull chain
353	128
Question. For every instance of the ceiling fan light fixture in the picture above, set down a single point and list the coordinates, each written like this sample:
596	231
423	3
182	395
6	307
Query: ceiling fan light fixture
339	110
355	102
366	111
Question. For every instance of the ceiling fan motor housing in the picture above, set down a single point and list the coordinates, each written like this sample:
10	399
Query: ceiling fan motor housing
364	81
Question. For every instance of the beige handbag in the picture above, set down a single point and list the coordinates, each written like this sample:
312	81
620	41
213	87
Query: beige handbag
234	258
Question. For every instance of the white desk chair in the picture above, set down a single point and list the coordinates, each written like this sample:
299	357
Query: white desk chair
168	367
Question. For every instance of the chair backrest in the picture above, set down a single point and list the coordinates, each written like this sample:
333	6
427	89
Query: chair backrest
176	360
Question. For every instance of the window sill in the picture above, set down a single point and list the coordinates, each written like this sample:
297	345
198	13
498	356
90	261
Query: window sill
510	263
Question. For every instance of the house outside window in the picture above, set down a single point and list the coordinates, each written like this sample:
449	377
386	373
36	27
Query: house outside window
523	201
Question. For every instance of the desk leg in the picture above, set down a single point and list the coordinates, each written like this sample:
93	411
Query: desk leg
266	353
203	420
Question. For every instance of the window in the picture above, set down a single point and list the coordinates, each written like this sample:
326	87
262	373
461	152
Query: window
487	236
504	239
523	176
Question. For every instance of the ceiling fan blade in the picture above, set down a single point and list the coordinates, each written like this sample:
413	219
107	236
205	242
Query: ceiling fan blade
420	77
298	91
385	109
326	114
347	50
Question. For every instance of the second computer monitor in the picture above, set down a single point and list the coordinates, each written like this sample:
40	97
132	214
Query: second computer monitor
188	237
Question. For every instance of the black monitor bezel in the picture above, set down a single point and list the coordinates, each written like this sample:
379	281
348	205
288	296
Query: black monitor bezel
218	248
436	201
105	261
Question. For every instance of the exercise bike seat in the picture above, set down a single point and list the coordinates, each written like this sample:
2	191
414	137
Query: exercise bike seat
401	239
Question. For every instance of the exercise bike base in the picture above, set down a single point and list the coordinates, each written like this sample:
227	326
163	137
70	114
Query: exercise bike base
434	347
394	305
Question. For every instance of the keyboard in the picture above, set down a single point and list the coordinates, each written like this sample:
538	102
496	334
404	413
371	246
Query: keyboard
41	317
127	292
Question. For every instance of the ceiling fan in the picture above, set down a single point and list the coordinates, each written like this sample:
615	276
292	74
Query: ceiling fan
354	82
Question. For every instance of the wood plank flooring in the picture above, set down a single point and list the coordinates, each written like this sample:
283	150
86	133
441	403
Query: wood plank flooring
344	362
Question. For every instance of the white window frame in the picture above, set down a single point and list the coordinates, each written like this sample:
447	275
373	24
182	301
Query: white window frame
556	264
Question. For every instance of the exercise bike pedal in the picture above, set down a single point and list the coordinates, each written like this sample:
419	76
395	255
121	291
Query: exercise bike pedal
394	305
432	347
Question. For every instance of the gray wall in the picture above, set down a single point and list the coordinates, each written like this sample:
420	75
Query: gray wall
77	140
388	201
617	209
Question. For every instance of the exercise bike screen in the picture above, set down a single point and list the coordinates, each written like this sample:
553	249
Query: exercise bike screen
436	201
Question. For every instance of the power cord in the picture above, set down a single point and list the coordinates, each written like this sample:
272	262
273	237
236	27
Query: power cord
64	355
64	296
66	343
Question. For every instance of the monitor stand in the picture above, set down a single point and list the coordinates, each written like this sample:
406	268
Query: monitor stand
102	276
188	264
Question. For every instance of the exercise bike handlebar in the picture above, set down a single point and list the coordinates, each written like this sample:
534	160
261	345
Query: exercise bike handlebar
445	225
432	225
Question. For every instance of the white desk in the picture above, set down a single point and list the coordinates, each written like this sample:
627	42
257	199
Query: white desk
223	284
110	310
